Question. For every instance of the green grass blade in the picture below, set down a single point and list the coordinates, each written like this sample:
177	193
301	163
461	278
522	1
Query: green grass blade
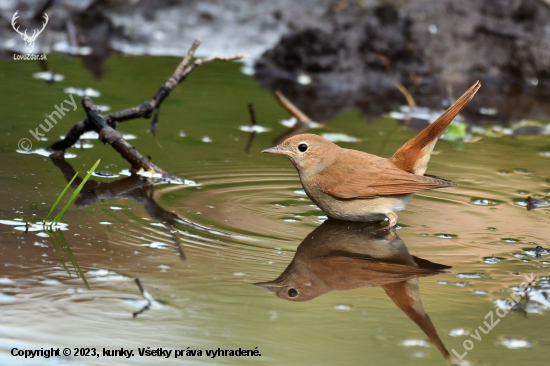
54	234
76	193
59	198
57	252
72	258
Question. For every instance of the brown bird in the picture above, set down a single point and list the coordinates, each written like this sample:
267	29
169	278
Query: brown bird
355	186
341	255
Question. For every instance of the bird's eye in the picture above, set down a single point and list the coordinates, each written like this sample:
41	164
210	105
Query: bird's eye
302	147
292	292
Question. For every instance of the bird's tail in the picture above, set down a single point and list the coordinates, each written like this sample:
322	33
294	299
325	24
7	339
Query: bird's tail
406	295
413	157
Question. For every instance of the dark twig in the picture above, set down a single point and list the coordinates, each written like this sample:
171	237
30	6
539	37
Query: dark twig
146	296
253	133
109	135
252	114
145	109
303	122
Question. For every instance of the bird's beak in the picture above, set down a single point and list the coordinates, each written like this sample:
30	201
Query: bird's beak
275	150
268	285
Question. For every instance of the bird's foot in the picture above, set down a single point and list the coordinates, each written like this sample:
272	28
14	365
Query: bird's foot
392	216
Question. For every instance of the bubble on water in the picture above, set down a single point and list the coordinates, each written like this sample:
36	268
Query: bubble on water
446	236
105	174
322	218
6	298
300	192
468	275
206	139
514	343
344	307
415	343
339	137
76	290
48	76
45	152
105	275
289	122
480	292
5	281
155	245
88	92
536	252
510	240
50	282
92	135
106	223
484	202
461	284
254	128
442	282
491	260
458	332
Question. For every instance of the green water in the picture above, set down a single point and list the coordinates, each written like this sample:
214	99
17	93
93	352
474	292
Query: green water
251	217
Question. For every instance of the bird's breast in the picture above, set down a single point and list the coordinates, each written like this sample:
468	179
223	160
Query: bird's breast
355	209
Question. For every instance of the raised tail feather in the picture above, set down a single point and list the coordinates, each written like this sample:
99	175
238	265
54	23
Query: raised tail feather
413	157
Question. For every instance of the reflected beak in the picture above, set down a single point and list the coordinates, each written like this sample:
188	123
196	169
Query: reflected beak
275	150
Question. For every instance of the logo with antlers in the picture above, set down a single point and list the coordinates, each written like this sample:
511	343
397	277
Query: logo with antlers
29	40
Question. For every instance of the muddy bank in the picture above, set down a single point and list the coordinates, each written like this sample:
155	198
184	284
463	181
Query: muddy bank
435	48
327	56
95	29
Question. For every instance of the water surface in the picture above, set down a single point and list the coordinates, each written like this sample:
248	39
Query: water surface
242	224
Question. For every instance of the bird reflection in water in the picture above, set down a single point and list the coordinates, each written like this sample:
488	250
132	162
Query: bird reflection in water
341	255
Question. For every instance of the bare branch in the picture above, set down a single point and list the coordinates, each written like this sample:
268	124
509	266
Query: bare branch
145	109
209	59
109	135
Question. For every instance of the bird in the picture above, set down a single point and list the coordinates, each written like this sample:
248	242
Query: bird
356	186
342	255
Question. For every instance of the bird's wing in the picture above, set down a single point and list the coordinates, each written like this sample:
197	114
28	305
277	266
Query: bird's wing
345	273
369	176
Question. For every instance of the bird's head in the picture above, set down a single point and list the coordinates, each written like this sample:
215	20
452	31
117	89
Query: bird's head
309	153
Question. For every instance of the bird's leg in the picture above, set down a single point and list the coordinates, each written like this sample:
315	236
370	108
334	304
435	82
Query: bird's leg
392	216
